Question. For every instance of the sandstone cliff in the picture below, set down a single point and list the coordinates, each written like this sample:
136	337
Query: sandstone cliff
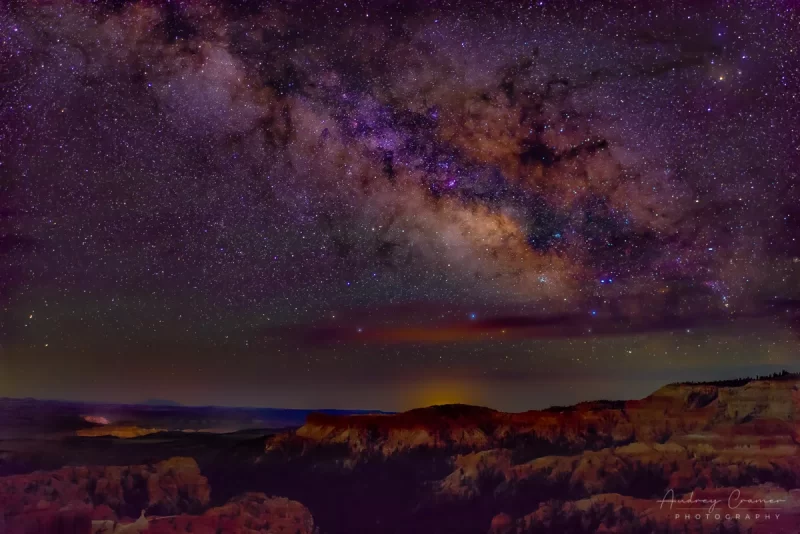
674	410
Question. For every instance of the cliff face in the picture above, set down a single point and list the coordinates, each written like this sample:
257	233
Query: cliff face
454	427
686	408
83	500
674	410
637	468
169	487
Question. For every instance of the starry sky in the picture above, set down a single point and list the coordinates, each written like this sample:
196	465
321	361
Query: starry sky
386	204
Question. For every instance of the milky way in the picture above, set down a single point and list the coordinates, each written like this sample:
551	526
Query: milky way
194	191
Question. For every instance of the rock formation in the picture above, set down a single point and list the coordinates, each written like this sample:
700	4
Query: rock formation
249	513
110	492
674	410
594	467
98	500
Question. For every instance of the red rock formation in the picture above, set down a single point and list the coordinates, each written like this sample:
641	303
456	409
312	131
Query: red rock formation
674	410
80	500
618	513
670	465
75	519
682	437
502	524
246	514
171	486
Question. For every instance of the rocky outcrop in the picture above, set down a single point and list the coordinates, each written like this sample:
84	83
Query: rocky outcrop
454	428
247	514
109	526
638	468
757	510
674	410
71	519
502	523
99	500
461	426
169	487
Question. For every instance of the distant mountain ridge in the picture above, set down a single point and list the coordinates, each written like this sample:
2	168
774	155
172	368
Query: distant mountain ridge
20	418
161	402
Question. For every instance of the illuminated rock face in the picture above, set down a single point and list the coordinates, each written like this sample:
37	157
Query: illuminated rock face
667	466
732	414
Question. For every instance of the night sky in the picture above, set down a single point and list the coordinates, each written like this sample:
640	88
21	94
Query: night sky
390	204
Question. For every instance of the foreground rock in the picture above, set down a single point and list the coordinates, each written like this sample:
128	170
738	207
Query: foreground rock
70	498
169	497
246	514
169	487
736	510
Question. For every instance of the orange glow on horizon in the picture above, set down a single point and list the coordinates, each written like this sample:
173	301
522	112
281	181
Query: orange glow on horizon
444	391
